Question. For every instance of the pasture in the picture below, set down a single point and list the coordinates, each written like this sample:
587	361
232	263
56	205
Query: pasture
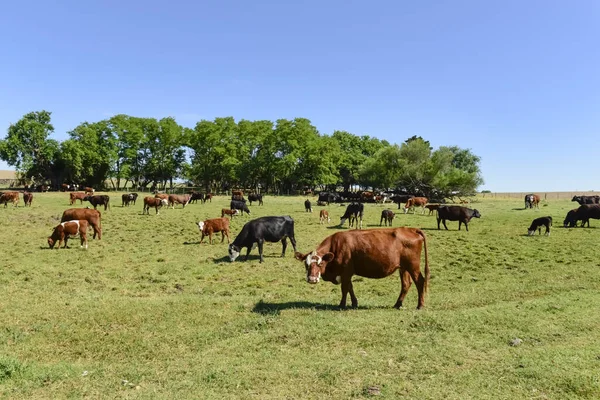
148	312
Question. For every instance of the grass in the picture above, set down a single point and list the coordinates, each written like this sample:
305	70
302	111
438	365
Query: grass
148	312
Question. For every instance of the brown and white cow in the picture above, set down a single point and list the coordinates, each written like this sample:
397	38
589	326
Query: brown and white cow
162	196
374	253
155	202
415	202
67	229
215	225
387	216
9	197
227	211
93	217
89	190
27	198
532	200
64	187
324	216
182	199
74	196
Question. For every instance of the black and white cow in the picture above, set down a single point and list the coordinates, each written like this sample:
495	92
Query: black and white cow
537	224
354	211
257	231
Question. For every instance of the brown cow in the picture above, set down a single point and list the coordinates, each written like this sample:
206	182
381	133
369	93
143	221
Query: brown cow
88	190
179	199
432	208
415	202
215	225
227	211
67	229
73	197
367	196
10	197
64	187
155	202
236	193
374	253
387	216
162	196
532	200
208	197
27	198
93	217
324	215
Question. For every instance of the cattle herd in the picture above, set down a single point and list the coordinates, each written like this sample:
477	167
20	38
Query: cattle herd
374	253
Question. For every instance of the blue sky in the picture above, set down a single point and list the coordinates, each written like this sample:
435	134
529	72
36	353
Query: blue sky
518	82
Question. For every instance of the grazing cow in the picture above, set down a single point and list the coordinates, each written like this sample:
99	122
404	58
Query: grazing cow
537	224
432	208
231	213
255	197
456	213
324	215
65	230
307	206
195	196
587	211
89	190
326	197
414	203
155	202
208	197
387	216
354	211
179	199
99	200
239	205
532	200
9	197
374	253
321	203
237	197
27	198
74	196
215	225
586	199
400	199
128	198
571	219
93	217
257	231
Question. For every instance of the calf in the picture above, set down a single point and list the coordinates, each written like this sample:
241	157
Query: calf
375	253
239	205
456	213
354	211
324	215
128	198
215	225
387	216
74	196
257	231
67	229
27	198
307	206
432	208
9	197
93	217
415	202
231	213
255	197
155	202
537	224
180	199
99	200
571	219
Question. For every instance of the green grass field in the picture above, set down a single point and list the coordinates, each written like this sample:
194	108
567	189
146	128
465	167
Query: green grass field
148	312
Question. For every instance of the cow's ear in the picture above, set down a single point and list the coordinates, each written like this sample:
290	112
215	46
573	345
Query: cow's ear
328	257
299	256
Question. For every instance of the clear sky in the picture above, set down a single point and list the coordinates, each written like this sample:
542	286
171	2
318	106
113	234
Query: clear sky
518	82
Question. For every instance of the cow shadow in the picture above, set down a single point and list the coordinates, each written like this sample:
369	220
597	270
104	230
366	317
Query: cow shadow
240	259
519	209
265	308
188	243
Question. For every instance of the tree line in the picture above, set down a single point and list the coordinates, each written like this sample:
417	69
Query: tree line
277	157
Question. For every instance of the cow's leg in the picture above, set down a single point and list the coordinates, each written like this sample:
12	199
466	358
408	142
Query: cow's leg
284	246
466	226
444	222
248	252
260	249
202	238
347	288
293	240
405	281
419	280
459	223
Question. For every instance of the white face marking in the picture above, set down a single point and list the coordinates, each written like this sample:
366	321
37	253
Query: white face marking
233	254
531	232
338	278
201	225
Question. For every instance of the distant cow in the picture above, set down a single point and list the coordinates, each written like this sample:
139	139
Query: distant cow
415	202
128	198
67	229
381	199
215	225
155	202
586	199
27	198
208	197
456	213
571	219
587	211
307	206
195	196
354	211
537	224
432	208
89	190
239	205
231	213
9	197
324	216
367	197
98	200
237	193
257	231
255	197
374	253
387	216
532	200
74	196
326	197
93	217
400	199
64	187
182	199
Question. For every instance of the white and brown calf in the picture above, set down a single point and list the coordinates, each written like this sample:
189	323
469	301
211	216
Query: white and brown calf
68	229
215	225
324	215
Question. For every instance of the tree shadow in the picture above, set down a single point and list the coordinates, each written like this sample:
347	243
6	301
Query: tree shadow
265	308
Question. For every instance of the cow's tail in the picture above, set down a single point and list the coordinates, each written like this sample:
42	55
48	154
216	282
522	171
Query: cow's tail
426	283
108	203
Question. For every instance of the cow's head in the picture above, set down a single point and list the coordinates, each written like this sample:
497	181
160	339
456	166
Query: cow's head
51	242
315	264
164	202
201	225
476	214
234	252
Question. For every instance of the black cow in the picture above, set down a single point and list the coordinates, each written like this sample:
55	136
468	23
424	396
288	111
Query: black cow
128	198
387	216
195	196
98	200
587	211
307	206
401	199
571	219
257	231
586	199
327	197
354	211
537	224
456	213
255	197
239	205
